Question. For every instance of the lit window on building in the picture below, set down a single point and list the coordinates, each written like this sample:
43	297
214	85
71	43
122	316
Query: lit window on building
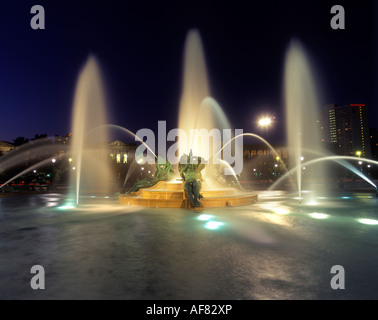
111	155
125	158
118	158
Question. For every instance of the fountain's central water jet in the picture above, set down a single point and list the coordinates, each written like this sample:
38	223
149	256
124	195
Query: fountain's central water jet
301	102
91	168
197	109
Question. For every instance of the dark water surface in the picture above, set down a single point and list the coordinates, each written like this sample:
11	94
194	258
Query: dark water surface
275	249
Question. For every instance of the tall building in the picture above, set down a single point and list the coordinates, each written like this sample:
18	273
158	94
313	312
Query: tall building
347	128
374	143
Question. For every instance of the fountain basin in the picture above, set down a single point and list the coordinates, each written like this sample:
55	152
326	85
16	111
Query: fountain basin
172	195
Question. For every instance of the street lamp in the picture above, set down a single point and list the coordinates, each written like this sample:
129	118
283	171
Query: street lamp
360	163
358	153
265	122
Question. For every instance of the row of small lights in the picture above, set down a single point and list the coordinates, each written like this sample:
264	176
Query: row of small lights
212	224
319	215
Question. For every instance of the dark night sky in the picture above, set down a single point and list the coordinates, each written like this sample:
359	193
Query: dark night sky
139	45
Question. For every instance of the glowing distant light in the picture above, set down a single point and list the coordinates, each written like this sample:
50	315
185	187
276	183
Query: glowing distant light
70	159
368	221
73	168
281	211
312	203
53	160
212	225
93	196
318	215
265	121
359	162
140	161
345	197
204	217
302	158
34	171
66	207
106	197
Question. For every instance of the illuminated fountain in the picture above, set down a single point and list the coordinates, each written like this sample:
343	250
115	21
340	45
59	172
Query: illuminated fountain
271	246
89	172
197	111
302	110
302	127
89	134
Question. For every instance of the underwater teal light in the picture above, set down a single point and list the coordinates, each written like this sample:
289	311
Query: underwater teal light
204	217
281	210
318	215
212	225
66	207
368	221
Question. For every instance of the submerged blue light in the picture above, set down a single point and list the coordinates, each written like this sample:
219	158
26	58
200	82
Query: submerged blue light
66	207
212	225
204	217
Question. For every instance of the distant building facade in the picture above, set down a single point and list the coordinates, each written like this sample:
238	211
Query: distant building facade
252	151
261	162
373	133
121	153
346	128
5	147
62	139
